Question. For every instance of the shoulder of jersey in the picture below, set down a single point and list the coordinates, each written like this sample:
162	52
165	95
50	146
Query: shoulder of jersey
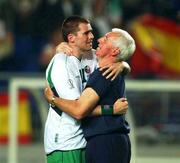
61	58
59	55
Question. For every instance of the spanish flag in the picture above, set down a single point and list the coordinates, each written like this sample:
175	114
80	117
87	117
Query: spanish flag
158	47
24	118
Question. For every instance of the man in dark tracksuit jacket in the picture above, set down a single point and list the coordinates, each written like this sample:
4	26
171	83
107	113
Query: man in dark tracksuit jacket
107	136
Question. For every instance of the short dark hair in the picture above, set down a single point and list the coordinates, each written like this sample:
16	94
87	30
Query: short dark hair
71	25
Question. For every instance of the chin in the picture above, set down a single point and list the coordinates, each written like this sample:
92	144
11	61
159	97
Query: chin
88	49
97	54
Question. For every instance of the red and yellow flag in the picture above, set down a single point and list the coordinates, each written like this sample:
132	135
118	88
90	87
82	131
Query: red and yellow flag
158	47
24	118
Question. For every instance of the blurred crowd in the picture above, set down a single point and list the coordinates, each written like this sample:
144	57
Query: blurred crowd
30	29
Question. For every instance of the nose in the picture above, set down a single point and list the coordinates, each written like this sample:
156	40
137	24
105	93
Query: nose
100	40
91	35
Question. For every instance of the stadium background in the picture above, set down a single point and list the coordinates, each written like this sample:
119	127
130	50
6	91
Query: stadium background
29	33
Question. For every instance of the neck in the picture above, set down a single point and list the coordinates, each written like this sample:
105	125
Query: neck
76	51
107	60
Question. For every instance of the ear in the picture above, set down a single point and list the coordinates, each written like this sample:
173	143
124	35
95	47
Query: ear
71	37
115	51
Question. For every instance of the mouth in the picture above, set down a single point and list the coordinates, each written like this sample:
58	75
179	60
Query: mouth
99	46
89	43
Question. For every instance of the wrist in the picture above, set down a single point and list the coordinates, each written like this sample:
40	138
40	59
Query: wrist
107	110
52	102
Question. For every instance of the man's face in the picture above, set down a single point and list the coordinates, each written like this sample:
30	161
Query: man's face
84	37
104	45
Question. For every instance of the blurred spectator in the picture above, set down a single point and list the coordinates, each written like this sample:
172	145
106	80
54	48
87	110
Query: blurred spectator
5	41
24	16
26	42
51	13
49	49
71	7
164	8
176	8
96	11
48	17
114	9
103	15
100	17
6	35
6	45
130	10
56	11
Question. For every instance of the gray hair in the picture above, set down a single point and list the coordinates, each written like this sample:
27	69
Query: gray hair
125	43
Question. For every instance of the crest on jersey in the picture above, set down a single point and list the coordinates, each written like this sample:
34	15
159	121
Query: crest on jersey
70	82
87	69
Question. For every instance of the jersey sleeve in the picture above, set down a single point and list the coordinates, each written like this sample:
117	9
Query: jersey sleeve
64	78
99	83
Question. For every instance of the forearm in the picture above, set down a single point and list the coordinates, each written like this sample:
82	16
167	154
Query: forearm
105	110
118	108
76	108
78	111
96	111
72	107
